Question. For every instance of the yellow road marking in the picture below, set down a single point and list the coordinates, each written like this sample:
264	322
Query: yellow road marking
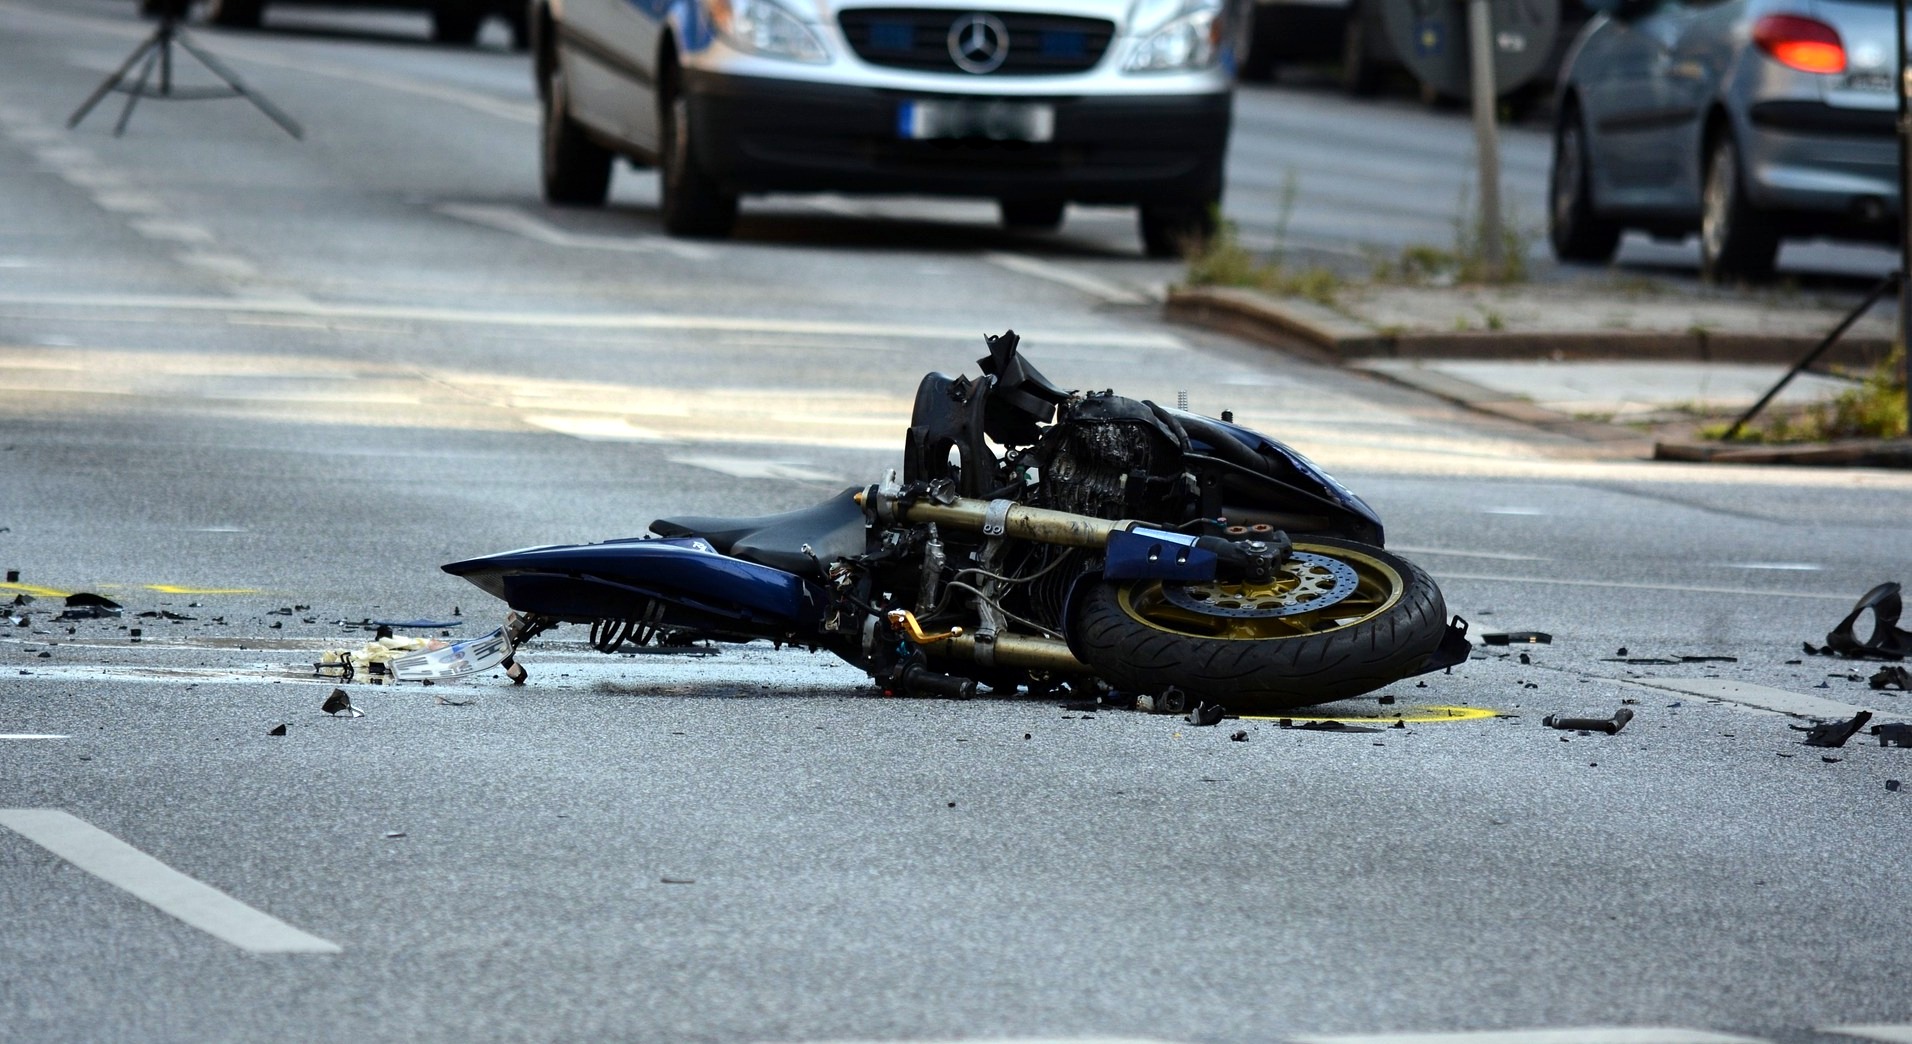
175	589
1413	714
37	592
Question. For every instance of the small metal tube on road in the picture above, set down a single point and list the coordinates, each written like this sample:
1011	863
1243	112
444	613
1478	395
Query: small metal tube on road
1606	725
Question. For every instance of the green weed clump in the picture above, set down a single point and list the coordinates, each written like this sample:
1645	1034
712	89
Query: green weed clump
1224	261
1875	409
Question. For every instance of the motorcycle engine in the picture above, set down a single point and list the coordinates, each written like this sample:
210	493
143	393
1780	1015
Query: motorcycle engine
1112	457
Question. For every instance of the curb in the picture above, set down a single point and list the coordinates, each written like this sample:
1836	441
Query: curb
1853	453
1334	336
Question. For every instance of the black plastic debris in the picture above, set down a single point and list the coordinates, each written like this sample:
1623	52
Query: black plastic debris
1203	715
1325	726
88	606
1893	734
1891	676
1709	659
1649	660
1384	699
339	705
1517	638
1607	725
1887	641
13	576
393	835
1834	733
1892	785
443	702
163	614
276	730
1240	736
1526	659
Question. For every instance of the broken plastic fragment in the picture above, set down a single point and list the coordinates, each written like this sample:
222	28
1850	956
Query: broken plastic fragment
1518	638
339	705
1610	726
1205	714
1887	641
1891	676
88	606
276	730
1834	733
1239	737
1893	734
457	660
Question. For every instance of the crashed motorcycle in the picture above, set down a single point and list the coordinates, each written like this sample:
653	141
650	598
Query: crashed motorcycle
1035	539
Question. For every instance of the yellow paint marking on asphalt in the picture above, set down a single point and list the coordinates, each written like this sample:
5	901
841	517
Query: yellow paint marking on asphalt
1417	715
37	592
175	589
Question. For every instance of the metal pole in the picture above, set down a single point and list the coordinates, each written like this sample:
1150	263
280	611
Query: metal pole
1905	211
1480	56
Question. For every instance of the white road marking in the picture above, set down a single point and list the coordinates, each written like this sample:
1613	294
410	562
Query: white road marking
128	202
17	262
1054	273
579	321
123	866
1626	586
30	736
173	231
518	223
1890	1034
752	468
93	178
1587	1035
65	156
1499	556
1512	511
219	264
594	429
1782	567
1764	697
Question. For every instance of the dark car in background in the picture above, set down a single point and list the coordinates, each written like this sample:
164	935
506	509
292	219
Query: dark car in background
1748	121
453	21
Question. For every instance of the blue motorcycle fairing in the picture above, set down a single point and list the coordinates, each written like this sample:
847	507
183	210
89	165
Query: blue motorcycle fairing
1327	484
1141	553
615	579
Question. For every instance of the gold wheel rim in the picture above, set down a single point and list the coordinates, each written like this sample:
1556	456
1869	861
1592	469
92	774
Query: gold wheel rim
1378	588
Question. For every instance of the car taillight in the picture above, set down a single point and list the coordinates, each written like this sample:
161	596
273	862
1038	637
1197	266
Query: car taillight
1806	44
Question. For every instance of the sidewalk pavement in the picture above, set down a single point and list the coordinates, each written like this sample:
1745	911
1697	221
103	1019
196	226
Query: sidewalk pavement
1627	363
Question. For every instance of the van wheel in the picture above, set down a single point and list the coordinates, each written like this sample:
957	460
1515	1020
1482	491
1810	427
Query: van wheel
693	204
576	171
1177	229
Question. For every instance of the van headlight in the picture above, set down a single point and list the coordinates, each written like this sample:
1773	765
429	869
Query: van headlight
764	27
1176	35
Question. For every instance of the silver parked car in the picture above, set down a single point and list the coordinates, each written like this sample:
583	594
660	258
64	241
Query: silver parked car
1034	103
1746	120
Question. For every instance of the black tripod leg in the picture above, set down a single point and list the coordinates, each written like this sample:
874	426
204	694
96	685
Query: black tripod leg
106	86
1886	284
139	88
273	113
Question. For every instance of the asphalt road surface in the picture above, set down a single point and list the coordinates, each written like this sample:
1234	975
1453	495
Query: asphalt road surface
270	385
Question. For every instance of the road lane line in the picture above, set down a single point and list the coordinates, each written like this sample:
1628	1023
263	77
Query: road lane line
577	321
1498	556
1762	697
172	231
753	468
30	736
1626	586
1088	284
125	867
516	222
1587	1035
128	202
1889	1034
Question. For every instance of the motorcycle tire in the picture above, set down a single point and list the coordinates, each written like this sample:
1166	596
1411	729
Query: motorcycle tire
1341	619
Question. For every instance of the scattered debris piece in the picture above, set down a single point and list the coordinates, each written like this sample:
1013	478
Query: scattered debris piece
276	730
13	576
1240	736
1609	726
1642	660
1892	785
1517	638
443	702
88	606
164	614
1205	714
394	834
1894	734
692	880
1834	733
1891	676
1709	659
339	705
1329	725
1526	659
1622	651
1399	723
1386	699
1887	642
1830	760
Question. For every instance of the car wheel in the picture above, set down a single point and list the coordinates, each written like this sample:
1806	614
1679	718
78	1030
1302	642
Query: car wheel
1360	74
1255	60
1737	241
1177	229
1575	230
1032	214
235	14
693	204
576	171
456	25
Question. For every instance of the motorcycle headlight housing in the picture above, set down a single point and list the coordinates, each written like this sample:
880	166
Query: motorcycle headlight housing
765	27
1176	35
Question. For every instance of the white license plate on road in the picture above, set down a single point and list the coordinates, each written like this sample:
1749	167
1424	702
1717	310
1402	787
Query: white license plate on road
996	120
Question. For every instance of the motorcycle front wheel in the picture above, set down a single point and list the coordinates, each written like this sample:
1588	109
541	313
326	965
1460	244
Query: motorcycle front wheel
1339	619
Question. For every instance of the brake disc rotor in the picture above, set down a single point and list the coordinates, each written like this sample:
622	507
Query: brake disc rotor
1305	583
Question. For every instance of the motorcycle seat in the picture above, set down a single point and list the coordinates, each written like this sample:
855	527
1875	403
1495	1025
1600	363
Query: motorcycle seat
833	529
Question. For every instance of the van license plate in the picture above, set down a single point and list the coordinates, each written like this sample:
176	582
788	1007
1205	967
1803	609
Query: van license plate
996	120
